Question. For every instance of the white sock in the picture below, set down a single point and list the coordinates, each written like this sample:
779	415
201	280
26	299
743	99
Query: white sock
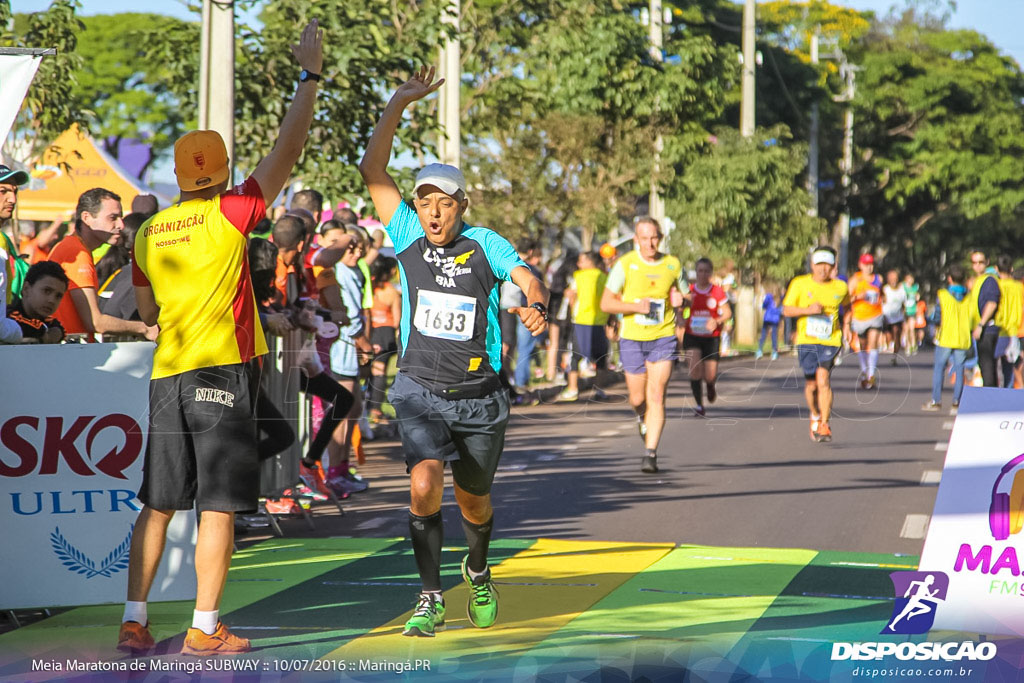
863	358
477	575
872	362
135	611
205	621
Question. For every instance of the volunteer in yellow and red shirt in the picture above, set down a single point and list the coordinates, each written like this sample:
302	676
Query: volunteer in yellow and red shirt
867	318
709	311
97	221
815	300
191	275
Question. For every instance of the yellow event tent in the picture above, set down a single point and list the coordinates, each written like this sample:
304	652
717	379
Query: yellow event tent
88	166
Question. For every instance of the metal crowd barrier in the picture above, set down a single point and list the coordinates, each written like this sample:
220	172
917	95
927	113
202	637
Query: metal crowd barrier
280	383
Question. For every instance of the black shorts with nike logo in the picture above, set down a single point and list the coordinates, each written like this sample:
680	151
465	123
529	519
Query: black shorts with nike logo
201	449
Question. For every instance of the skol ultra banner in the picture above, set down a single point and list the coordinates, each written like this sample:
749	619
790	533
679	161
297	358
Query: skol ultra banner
73	422
975	537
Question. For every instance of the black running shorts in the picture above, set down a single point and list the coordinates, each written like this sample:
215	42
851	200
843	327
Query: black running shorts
202	441
469	433
709	347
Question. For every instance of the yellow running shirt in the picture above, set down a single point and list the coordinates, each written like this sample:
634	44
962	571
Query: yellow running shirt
194	255
589	285
636	279
825	329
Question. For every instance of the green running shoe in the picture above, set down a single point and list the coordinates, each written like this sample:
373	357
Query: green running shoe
482	607
427	618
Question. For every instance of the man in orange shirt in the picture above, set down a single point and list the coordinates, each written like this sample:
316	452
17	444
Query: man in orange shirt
191	275
97	221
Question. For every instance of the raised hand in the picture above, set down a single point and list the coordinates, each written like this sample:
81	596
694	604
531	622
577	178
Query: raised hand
309	53
419	85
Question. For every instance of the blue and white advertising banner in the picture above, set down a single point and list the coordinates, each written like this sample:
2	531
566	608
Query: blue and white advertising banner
73	427
975	537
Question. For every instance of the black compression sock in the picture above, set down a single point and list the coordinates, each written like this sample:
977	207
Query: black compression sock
427	535
478	538
698	391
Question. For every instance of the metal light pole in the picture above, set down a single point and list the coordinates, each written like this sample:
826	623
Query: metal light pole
450	143
813	150
656	205
749	67
849	71
217	71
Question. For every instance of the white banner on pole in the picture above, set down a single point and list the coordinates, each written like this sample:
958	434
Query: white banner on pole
976	536
73	428
16	74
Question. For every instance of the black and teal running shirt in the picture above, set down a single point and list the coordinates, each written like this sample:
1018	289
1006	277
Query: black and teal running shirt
449	330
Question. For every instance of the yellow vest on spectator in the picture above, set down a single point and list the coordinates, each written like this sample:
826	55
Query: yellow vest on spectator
1011	306
975	314
955	327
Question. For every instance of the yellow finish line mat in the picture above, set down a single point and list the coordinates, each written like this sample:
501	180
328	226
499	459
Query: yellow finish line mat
334	608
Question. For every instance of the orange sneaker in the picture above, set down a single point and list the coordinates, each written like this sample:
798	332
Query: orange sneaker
282	506
222	642
313	477
134	638
824	432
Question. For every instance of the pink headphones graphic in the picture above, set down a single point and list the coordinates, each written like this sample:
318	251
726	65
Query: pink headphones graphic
1002	518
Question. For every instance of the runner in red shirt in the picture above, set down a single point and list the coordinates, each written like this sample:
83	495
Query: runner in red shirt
709	310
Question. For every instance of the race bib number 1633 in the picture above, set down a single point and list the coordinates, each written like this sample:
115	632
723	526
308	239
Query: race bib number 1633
445	316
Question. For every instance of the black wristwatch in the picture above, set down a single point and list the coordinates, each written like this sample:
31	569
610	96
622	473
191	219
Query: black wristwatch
305	75
542	308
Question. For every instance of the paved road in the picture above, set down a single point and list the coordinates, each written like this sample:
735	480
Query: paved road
748	475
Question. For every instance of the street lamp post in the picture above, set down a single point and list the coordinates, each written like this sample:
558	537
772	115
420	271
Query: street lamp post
450	142
217	71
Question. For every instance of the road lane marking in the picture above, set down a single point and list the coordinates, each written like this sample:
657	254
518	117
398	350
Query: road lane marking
931	477
942	446
915	526
947	424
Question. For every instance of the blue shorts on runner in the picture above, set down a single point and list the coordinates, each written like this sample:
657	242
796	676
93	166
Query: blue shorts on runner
814	356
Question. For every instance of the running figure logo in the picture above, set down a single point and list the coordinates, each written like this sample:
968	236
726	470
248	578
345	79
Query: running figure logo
921	593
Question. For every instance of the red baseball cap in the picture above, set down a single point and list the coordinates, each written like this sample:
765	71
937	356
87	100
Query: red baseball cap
867	260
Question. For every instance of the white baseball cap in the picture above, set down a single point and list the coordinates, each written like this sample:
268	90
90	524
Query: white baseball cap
444	176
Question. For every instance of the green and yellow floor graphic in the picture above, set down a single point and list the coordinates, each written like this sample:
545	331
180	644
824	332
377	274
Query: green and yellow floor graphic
326	609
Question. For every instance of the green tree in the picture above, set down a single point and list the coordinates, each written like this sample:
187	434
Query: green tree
50	107
941	138
743	201
563	103
128	96
370	46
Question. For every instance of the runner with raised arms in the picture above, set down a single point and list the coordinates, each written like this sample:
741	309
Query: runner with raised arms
449	403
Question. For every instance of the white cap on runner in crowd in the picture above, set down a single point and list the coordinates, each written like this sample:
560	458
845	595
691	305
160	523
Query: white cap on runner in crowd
448	178
822	256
